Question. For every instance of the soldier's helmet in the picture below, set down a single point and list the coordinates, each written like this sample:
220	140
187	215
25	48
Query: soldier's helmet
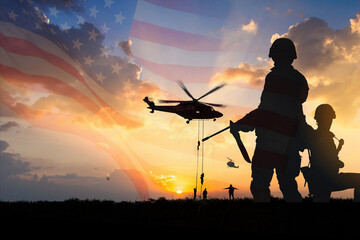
282	48
324	111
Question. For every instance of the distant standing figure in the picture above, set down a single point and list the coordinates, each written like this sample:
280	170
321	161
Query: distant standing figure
204	194
231	191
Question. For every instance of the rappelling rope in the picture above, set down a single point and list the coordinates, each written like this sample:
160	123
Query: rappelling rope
202	157
197	155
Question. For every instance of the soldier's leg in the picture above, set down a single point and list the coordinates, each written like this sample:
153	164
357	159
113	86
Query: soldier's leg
322	196
346	181
288	186
260	184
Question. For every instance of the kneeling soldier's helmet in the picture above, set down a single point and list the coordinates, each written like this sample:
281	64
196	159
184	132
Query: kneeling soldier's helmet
324	110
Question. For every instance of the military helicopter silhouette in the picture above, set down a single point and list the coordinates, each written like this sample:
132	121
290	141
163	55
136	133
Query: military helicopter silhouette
191	109
231	163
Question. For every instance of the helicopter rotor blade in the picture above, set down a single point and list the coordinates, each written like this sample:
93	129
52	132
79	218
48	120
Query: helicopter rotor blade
172	101
181	84
214	104
212	90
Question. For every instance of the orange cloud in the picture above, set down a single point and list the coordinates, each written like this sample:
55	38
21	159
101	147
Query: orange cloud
244	74
60	123
330	60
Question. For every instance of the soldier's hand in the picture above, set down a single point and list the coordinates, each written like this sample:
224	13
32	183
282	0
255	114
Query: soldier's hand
233	128
341	164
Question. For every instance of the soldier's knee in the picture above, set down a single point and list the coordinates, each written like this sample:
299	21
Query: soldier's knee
260	192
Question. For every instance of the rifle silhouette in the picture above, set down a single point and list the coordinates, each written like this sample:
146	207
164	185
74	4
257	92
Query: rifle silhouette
238	141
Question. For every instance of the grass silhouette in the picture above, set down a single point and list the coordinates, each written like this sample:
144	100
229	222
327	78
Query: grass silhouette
338	217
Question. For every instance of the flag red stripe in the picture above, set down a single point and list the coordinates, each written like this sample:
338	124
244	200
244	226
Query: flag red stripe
52	85
175	38
26	48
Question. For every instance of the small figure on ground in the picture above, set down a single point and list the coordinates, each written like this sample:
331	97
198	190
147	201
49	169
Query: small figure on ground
205	194
231	192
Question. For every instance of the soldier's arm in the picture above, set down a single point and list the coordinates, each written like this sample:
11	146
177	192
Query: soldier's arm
245	124
304	88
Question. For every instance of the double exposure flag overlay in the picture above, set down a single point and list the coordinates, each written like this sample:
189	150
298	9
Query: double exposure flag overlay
88	64
75	70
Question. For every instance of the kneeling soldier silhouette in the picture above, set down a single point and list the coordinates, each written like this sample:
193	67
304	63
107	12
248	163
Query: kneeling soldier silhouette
323	174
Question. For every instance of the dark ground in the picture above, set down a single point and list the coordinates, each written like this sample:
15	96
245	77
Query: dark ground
337	218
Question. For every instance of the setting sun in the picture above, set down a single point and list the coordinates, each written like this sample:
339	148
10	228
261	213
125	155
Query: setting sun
179	191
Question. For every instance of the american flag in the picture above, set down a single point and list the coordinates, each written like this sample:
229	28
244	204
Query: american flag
99	55
73	62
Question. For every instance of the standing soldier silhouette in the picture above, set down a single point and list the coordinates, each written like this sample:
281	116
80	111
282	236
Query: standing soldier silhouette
231	192
276	122
323	176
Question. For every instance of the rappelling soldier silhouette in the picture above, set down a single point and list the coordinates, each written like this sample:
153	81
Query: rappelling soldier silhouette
323	176
276	122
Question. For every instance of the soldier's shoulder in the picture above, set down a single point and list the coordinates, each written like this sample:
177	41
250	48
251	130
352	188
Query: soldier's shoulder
300	78
299	74
271	75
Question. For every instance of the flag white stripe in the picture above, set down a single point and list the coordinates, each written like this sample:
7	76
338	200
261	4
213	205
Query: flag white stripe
163	54
169	18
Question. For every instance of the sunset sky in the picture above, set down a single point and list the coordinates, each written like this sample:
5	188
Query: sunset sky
74	73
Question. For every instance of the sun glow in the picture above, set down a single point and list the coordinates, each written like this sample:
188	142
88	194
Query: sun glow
179	191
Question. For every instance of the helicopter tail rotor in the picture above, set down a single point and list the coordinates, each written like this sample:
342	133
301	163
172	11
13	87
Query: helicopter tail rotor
150	103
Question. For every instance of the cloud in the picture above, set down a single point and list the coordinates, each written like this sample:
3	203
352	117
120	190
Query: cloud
126	47
66	5
330	60
6	126
244	74
11	163
3	146
122	84
251	27
355	23
19	183
286	13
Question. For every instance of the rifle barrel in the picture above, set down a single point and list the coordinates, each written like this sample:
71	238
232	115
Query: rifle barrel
204	139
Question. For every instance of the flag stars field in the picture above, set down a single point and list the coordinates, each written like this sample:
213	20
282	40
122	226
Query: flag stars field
77	44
